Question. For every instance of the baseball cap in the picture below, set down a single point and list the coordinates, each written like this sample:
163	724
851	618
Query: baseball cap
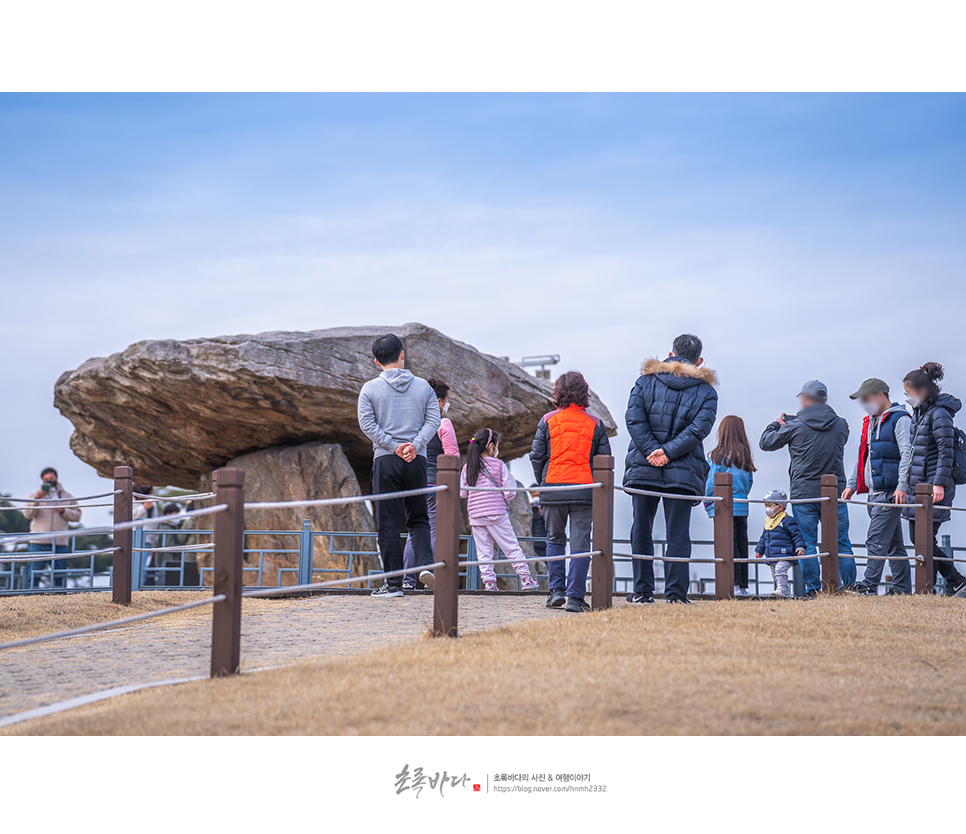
815	389
873	385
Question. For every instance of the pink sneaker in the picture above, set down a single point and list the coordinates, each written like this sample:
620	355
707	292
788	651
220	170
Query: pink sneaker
530	584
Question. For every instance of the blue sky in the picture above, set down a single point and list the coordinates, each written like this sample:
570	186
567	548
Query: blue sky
800	236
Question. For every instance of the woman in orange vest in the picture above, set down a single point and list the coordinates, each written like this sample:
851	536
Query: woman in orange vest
564	447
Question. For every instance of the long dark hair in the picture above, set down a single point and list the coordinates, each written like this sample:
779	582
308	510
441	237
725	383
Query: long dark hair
474	457
571	389
926	378
733	448
440	388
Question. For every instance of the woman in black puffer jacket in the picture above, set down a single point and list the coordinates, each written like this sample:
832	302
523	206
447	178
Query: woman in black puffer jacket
932	456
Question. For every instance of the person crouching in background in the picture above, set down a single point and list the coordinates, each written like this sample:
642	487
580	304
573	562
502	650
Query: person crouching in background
47	517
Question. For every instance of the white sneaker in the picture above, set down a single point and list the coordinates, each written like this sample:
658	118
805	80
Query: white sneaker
490	586
530	584
428	579
742	592
778	592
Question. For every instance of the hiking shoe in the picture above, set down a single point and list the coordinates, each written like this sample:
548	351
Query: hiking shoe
556	599
427	578
490	586
530	584
676	601
385	592
640	599
576	606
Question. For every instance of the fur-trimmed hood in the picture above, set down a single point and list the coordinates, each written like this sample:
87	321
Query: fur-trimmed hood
681	371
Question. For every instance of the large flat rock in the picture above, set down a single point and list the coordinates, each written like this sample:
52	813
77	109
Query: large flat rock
175	410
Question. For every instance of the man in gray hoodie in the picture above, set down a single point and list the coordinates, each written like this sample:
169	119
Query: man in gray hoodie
816	439
399	413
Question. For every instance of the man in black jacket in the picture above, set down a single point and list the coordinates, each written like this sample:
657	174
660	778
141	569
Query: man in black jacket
671	411
816	439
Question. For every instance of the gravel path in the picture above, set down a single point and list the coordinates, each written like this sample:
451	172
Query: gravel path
278	633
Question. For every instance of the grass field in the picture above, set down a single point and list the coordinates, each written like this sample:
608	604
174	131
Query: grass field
35	614
839	665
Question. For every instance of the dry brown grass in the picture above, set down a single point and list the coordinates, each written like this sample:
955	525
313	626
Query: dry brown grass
36	614
833	666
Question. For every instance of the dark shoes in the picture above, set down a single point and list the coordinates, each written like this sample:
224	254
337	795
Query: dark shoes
640	599
556	599
810	595
676	601
959	589
386	592
862	589
576	606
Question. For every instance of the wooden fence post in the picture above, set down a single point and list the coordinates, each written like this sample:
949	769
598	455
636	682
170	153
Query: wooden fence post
447	586
229	530
830	534
923	545
121	560
724	536
602	563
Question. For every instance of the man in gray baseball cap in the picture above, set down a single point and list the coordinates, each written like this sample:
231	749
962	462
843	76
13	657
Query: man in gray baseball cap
815	390
816	439
882	471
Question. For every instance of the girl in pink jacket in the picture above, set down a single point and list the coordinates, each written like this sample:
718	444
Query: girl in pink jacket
488	510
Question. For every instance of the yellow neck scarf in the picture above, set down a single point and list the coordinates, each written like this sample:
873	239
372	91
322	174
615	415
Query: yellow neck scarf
772	523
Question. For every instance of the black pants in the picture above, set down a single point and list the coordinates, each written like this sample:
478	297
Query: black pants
677	518
390	473
947	569
741	551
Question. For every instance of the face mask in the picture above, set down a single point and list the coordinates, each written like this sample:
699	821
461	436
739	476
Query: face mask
445	407
871	408
771	512
913	400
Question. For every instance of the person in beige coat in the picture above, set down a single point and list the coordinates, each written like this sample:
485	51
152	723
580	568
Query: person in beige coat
46	517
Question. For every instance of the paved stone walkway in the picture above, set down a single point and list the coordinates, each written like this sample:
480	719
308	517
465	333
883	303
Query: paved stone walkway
274	632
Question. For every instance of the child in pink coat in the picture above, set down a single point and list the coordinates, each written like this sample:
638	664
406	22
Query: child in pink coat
488	510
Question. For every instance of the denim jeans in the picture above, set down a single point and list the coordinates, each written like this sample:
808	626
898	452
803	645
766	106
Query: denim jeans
580	516
808	517
37	567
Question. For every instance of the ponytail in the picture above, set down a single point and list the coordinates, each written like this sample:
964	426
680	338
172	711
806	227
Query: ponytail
474	457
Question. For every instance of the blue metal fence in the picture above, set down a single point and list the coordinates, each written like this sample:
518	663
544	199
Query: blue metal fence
179	570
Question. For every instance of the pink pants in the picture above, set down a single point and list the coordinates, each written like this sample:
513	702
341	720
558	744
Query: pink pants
497	530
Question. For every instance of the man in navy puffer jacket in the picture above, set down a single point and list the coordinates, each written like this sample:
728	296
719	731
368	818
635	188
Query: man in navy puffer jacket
671	411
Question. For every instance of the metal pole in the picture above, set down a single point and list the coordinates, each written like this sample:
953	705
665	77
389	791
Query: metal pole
602	563
830	534
305	554
447	585
724	536
923	545
121	560
229	530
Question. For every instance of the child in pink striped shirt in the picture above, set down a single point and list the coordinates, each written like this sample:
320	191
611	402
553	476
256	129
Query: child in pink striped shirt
488	510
